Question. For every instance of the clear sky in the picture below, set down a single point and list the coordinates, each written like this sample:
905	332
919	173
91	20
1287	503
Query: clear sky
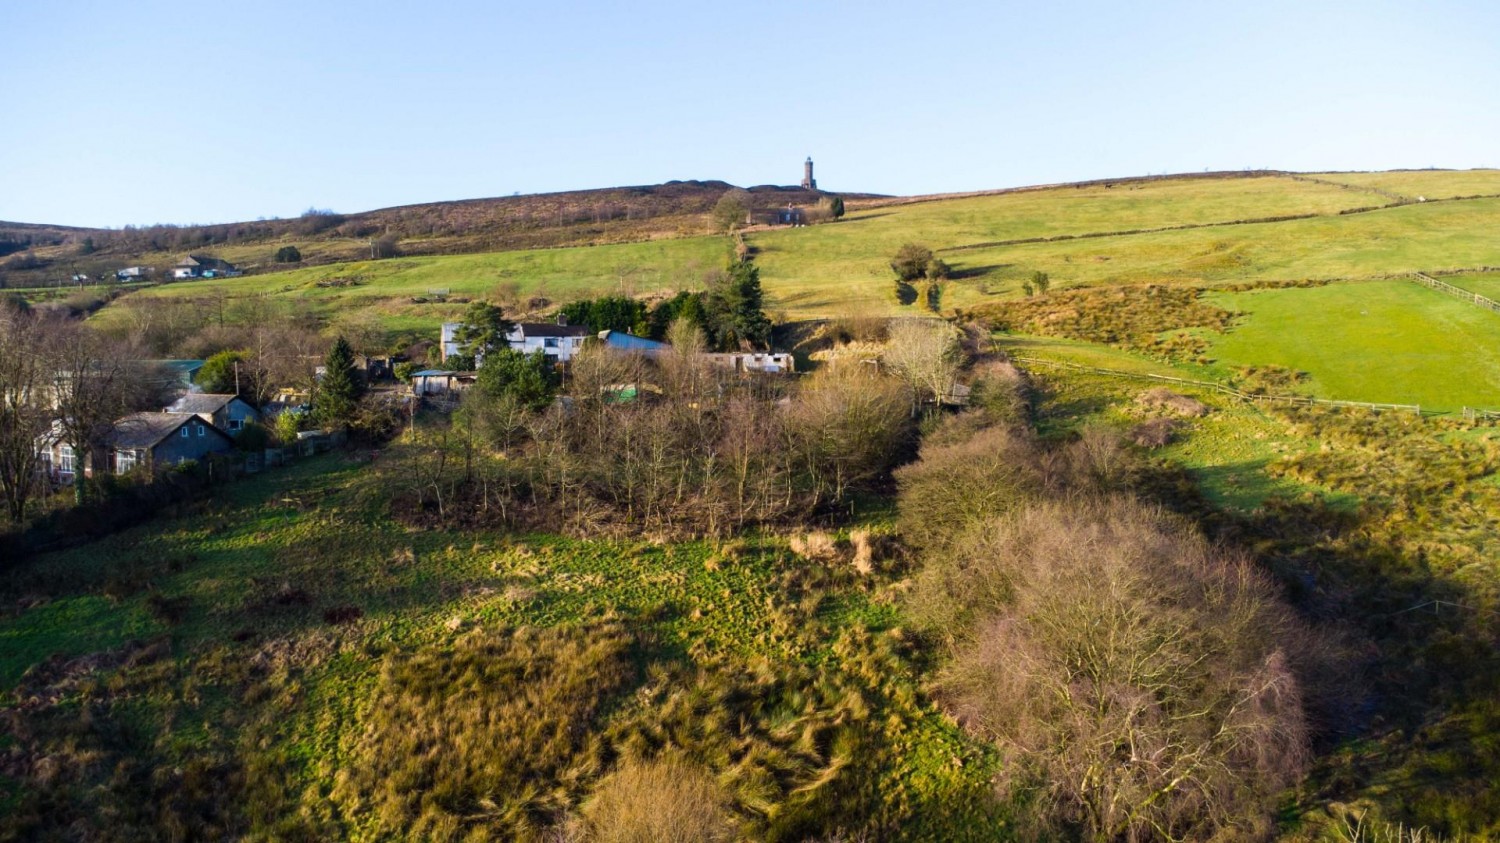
144	111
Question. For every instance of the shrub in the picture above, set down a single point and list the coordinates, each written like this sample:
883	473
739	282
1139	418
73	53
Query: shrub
288	254
1141	681
911	262
956	484
1155	433
287	424
529	379
254	437
1161	398
220	372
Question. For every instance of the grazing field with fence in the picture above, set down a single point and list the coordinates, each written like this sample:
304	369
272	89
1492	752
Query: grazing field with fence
1384	341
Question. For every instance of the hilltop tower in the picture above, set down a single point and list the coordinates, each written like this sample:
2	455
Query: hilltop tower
808	182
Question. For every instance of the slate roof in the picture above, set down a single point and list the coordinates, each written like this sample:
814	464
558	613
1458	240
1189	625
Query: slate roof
547	329
200	402
145	430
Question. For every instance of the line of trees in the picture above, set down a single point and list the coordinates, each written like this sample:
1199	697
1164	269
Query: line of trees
730	312
674	445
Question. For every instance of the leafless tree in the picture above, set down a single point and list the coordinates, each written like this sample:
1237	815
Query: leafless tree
97	380
926	354
26	354
850	425
1141	680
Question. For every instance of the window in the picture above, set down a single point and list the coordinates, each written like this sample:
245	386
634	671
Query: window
200	430
126	461
65	459
236	424
549	342
184	432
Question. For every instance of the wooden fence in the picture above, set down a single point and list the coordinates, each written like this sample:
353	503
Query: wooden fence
1295	400
1457	292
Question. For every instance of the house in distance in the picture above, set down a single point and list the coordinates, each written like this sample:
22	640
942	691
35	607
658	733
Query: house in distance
203	266
558	340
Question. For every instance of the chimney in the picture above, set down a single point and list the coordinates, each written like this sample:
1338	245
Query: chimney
562	319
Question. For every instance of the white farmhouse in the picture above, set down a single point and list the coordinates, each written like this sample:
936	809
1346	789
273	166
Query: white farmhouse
559	341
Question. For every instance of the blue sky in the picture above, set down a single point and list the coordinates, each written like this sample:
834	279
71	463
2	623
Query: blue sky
140	112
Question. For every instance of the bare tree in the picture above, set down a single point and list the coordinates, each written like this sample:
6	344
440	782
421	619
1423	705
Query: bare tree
850	425
96	381
685	370
25	406
926	354
1140	679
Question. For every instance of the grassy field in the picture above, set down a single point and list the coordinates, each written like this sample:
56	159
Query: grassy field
1432	184
825	270
385	288
1386	341
1396	240
820	269
1486	284
255	577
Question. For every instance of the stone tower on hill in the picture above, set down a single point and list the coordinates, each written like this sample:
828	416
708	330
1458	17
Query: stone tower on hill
808	182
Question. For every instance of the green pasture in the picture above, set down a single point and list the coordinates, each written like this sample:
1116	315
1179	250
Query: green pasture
1392	241
1096	208
1486	284
1382	341
387	288
827	269
824	269
1431	184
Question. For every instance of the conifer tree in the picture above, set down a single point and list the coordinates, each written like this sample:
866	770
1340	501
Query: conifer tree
340	389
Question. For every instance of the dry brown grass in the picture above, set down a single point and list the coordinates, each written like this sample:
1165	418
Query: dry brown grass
665	800
486	735
1161	398
817	545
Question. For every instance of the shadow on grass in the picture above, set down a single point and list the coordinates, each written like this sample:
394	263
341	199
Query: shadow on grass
965	273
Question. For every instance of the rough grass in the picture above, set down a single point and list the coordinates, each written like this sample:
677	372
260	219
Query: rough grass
1226	451
263	706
